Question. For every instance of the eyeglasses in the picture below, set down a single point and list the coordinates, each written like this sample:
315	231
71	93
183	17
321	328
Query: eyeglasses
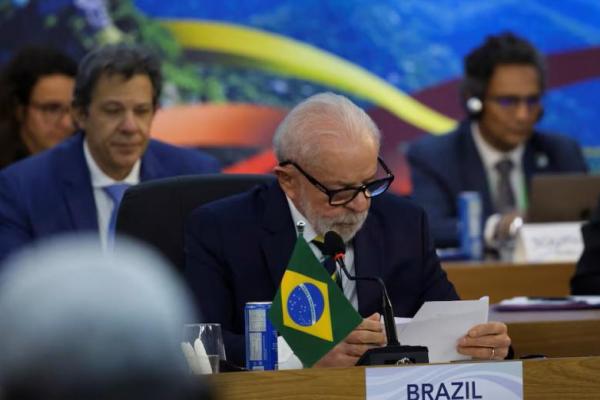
341	197
511	102
52	112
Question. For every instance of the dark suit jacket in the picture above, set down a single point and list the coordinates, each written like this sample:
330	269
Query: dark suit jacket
443	166
237	250
51	192
586	280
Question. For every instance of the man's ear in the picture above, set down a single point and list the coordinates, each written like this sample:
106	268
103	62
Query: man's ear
287	181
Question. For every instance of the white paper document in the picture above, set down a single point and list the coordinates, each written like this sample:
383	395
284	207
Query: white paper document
440	324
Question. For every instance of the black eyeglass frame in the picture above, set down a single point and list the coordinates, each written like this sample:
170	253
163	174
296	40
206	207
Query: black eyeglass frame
386	181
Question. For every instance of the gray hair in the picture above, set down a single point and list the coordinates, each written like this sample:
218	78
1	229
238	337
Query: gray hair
120	59
80	323
324	114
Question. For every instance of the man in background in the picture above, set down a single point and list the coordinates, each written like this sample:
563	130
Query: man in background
330	177
496	150
36	91
77	186
586	280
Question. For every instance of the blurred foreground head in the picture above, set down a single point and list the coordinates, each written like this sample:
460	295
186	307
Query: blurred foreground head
78	323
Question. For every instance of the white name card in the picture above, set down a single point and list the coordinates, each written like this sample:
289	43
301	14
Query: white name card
549	242
468	381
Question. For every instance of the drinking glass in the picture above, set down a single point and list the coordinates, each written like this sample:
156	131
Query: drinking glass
203	347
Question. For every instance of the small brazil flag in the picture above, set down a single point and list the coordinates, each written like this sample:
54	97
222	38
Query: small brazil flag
309	310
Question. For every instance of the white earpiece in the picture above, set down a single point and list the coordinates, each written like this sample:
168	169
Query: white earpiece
474	105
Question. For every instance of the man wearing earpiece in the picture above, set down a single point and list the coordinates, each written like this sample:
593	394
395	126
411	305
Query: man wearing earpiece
496	150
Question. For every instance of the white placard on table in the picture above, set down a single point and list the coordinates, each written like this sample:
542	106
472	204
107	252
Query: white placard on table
466	381
550	242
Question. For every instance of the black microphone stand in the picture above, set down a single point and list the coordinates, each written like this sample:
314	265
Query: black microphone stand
393	353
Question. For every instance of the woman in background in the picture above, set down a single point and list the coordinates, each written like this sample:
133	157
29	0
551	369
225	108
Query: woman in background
36	89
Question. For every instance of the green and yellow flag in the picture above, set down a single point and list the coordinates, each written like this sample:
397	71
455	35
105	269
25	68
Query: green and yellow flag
309	310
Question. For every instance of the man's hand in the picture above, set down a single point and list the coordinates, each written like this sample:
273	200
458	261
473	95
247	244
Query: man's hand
488	341
365	336
508	225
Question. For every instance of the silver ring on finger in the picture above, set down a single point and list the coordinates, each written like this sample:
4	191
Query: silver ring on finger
493	353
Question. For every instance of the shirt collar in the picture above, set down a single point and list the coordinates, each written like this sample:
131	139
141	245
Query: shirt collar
309	232
490	155
100	179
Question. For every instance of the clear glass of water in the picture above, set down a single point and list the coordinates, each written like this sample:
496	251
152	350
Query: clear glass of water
203	347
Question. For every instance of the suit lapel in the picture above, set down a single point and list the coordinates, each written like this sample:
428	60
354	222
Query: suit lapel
368	261
150	168
473	170
279	233
535	159
77	186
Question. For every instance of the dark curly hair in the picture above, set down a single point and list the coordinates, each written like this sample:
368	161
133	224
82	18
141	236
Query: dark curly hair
17	80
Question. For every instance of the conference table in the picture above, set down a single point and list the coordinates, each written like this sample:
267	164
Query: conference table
548	379
502	280
549	333
565	334
552	333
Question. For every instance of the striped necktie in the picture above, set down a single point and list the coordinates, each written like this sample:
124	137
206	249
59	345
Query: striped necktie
505	196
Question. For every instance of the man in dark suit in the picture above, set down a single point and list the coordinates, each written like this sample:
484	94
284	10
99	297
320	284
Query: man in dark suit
77	185
497	150
330	177
586	280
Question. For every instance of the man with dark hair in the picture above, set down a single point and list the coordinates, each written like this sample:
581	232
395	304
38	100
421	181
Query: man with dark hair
78	185
496	150
331	178
36	90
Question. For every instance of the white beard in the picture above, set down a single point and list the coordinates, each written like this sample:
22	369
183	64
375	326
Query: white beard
346	225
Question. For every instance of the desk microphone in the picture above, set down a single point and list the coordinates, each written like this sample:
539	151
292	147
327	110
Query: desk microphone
393	352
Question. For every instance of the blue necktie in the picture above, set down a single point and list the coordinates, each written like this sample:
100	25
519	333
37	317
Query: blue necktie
116	193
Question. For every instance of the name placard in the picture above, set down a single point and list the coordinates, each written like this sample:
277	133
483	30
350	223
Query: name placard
468	381
549	242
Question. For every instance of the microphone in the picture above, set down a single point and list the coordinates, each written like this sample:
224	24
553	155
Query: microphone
393	352
334	247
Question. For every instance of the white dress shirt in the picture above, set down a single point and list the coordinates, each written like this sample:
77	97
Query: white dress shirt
104	204
309	234
286	357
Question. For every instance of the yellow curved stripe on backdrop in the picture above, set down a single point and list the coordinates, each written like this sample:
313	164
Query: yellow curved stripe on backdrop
291	57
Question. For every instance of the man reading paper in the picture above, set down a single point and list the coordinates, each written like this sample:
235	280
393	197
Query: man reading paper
330	176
